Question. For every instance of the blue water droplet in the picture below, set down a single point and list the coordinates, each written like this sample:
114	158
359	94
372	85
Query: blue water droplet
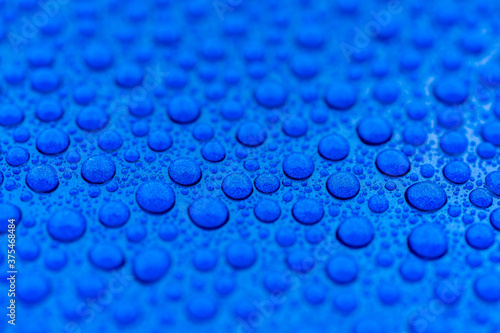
184	171
208	213
204	260
295	127
343	185
453	143
374	130
92	118
268	211
393	163
151	265
415	135
333	147
450	118
340	96
416	110
129	75
251	134
356	232
457	172
270	94
308	211
213	151
481	198
183	109
98	169
202	308
378	203
237	186
114	214
9	211
495	218
21	134
240	255
98	56
155	197
52	141
45	80
159	140
451	91
491	133
106	256
232	110
480	236
298	166
42	178
487	287
48	110
493	182
267	183
141	108
486	150
203	132
426	196
67	225
110	140
428	241
386	92
412	270
342	269
17	156
33	289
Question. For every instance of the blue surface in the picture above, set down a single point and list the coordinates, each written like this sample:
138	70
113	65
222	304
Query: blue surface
251	166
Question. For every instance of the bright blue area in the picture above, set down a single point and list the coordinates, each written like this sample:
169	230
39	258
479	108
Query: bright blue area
251	166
